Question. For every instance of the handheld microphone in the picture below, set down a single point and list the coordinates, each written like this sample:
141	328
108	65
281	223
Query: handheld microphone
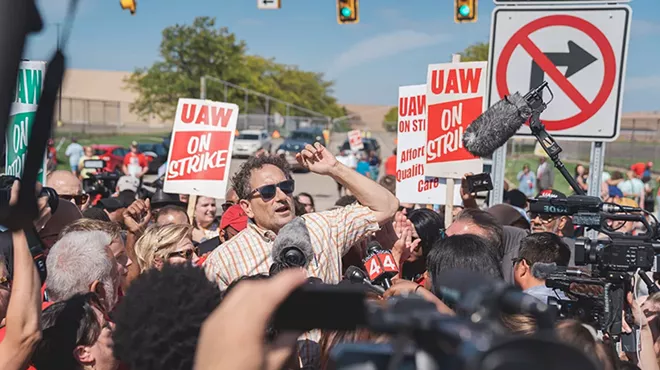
380	264
496	125
292	247
650	285
355	275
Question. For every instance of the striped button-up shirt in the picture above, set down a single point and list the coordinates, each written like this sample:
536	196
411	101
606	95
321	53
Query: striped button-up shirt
332	234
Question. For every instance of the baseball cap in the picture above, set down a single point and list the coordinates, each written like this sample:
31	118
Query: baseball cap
134	143
128	183
551	194
235	217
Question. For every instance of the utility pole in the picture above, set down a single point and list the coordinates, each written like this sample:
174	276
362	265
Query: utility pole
59	98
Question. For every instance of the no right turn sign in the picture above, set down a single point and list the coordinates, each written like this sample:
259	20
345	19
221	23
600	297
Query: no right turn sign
580	51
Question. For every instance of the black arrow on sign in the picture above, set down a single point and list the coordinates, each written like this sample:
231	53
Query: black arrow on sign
268	1
576	60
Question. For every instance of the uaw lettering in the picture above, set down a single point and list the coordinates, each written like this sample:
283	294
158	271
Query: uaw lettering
449	117
412	106
205	115
28	86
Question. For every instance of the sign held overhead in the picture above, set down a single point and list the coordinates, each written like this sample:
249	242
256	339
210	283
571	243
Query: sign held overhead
455	96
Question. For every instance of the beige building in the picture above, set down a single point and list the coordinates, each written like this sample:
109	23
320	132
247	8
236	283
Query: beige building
100	101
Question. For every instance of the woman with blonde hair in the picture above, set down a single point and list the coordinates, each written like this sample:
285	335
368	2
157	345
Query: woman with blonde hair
165	244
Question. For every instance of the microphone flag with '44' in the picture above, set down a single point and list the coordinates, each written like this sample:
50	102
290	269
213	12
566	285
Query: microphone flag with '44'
380	265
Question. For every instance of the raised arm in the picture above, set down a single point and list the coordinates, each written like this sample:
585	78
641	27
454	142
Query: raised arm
369	193
23	329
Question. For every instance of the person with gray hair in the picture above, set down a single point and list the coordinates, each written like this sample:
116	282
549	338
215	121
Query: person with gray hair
82	262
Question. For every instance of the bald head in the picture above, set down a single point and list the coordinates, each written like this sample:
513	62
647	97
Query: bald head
64	183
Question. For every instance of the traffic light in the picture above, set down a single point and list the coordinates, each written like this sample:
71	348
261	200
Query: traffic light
466	11
347	11
128	4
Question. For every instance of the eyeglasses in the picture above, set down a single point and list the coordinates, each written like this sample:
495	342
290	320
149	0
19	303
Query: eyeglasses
268	192
225	206
544	217
78	199
187	254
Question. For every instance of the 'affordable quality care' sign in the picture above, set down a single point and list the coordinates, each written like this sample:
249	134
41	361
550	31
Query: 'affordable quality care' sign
411	184
454	97
200	152
24	105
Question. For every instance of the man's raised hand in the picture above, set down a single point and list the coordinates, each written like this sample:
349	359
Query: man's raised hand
137	216
317	159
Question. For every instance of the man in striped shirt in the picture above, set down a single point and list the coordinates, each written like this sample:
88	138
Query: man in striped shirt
265	188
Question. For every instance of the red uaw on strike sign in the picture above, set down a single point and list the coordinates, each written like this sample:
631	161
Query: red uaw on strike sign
200	151
455	94
579	51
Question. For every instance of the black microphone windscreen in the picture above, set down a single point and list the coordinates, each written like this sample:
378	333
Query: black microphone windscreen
373	245
292	235
496	125
355	273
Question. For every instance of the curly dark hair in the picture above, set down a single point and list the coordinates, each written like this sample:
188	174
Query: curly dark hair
241	180
159	320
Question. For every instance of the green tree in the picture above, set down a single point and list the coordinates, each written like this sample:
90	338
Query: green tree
189	52
390	119
475	53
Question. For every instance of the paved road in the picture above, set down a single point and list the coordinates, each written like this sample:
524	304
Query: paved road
322	188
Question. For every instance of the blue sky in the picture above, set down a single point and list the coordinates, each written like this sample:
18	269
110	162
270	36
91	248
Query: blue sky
391	46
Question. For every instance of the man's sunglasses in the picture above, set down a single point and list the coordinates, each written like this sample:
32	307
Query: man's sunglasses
187	254
545	217
78	199
268	192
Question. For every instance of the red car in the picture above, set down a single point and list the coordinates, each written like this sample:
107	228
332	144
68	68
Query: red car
113	155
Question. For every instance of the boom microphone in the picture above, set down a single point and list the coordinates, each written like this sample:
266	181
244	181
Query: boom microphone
355	275
496	125
292	247
380	264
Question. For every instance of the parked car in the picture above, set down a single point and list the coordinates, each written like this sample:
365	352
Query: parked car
156	155
113	155
248	142
369	146
288	151
309	135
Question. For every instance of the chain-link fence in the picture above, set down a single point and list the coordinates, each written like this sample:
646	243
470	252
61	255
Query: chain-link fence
639	141
111	117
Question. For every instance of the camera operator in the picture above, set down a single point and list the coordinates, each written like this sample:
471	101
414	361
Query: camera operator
559	225
545	248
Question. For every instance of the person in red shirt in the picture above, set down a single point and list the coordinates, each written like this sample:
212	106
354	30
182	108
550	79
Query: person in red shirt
135	163
390	164
638	168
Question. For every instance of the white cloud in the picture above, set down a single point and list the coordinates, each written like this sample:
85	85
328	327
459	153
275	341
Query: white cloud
381	46
640	27
642	83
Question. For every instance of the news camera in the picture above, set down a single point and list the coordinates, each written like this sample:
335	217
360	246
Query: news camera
100	184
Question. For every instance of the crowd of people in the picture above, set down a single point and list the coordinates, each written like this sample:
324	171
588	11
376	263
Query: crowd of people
143	284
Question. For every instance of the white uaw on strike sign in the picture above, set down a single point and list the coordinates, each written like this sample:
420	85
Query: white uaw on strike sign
200	152
580	51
